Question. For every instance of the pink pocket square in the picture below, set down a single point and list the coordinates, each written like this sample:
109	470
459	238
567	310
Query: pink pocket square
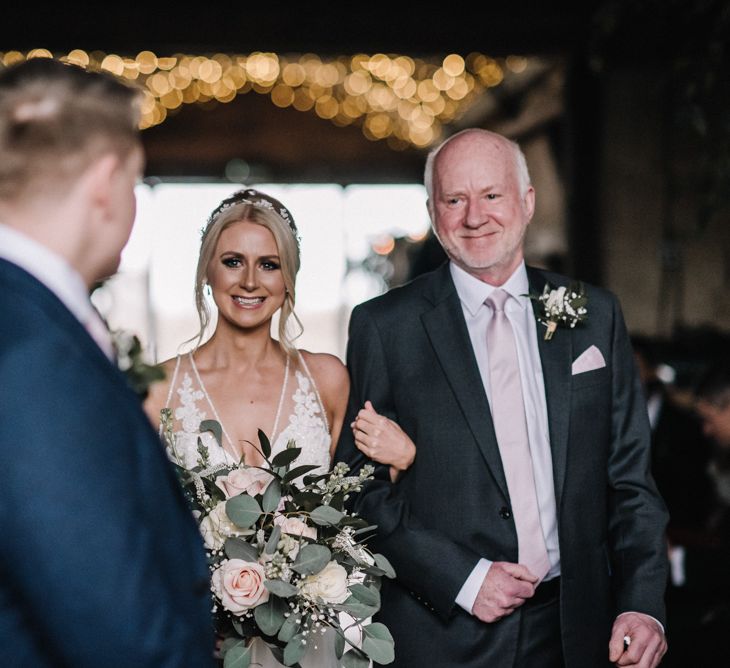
589	360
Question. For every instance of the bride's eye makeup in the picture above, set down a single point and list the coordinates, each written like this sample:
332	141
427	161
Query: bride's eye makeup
270	265
231	261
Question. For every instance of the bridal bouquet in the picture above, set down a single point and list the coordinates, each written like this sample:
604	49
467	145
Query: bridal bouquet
285	557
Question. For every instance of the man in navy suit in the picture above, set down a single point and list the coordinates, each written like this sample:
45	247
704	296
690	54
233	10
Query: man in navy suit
436	356
100	559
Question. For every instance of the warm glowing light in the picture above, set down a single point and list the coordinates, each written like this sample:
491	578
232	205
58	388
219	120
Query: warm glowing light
282	95
384	246
516	64
78	57
293	75
12	57
39	53
395	97
453	65
113	64
147	62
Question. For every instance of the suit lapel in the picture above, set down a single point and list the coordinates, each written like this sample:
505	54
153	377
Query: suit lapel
448	334
556	356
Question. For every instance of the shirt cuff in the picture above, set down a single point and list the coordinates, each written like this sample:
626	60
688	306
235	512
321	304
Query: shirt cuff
676	563
661	626
470	589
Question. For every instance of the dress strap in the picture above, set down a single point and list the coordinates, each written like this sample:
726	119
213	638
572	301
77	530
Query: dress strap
316	393
172	382
170	391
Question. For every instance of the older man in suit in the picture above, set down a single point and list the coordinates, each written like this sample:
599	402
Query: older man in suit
527	532
100	559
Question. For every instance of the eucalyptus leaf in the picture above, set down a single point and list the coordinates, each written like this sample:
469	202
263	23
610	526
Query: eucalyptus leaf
286	457
366	595
289	628
273	541
272	496
295	649
239	549
299	471
357	609
270	615
280	588
325	515
238	656
339	643
214	427
243	510
307	500
378	644
265	444
311	559
384	565
355	659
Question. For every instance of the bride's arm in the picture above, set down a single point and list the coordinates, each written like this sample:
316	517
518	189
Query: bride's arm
333	383
383	441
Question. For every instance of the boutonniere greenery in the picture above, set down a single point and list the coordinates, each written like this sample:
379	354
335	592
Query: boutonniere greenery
130	360
563	306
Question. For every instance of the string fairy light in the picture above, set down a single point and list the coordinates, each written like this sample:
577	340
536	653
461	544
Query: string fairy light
403	100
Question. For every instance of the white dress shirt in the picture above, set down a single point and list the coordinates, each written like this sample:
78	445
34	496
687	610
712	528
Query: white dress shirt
58	276
473	293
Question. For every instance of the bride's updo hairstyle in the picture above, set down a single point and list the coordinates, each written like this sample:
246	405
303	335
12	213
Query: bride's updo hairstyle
253	206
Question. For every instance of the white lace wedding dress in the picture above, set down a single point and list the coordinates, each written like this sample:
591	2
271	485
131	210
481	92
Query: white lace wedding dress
306	423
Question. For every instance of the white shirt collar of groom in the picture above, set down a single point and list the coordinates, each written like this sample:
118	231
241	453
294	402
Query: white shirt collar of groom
49	268
473	292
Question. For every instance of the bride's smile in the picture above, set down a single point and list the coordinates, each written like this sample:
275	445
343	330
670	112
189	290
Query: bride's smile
245	275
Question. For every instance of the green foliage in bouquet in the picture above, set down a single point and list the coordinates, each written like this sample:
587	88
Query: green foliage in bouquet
286	558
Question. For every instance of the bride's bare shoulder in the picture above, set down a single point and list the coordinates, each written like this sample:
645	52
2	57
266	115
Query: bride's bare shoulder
329	372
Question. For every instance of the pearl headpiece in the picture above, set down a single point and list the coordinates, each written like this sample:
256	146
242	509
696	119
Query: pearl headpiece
259	200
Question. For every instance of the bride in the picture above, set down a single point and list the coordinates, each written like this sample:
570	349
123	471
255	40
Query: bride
246	379
241	376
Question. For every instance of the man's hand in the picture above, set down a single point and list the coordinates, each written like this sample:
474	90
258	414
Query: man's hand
646	645
506	587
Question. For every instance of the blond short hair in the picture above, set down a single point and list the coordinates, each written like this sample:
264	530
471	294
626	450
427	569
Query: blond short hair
55	120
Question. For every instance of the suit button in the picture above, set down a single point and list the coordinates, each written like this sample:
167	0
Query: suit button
505	513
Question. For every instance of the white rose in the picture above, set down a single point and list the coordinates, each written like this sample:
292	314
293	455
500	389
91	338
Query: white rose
330	584
295	527
216	526
250	480
239	585
555	300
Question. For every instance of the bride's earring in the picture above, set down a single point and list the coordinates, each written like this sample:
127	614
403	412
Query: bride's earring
208	291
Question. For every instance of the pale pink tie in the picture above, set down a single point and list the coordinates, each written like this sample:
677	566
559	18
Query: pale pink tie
510	426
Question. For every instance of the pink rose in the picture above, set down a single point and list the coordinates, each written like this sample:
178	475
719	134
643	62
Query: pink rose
239	585
250	480
295	527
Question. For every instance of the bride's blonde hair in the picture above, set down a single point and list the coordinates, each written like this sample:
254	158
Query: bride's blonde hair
253	206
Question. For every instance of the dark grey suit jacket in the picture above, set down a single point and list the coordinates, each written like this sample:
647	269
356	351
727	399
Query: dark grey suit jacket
410	354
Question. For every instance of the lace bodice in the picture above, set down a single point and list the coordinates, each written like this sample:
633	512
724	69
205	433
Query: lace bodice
302	419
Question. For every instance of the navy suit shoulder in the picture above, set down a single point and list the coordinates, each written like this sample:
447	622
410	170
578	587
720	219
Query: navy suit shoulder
99	553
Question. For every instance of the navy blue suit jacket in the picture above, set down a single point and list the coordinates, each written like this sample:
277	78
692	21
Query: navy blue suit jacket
410	354
100	559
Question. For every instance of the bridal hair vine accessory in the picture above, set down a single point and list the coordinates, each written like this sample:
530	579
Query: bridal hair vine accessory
565	306
259	200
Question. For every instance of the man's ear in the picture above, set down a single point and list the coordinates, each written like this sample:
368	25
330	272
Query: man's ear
99	184
529	203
